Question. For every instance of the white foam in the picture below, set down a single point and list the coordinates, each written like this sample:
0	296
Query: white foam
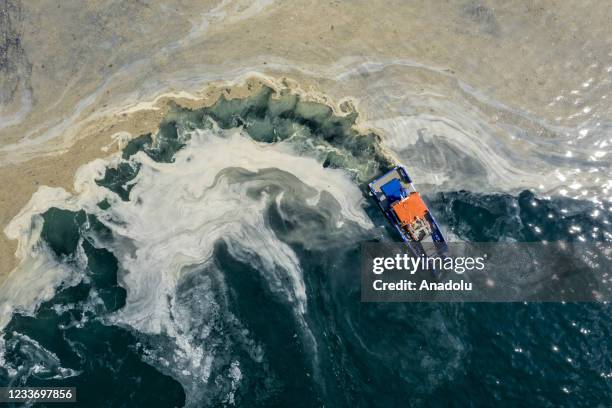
38	273
175	215
178	211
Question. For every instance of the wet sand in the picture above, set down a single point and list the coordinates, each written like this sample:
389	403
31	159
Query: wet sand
74	75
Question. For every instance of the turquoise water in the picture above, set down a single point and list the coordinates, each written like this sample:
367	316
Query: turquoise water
338	351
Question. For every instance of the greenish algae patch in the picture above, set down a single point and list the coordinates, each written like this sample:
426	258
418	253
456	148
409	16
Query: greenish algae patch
312	128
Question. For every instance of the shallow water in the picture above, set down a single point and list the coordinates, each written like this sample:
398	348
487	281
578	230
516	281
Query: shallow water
217	262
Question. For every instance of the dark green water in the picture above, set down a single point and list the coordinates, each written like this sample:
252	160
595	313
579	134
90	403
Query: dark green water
343	352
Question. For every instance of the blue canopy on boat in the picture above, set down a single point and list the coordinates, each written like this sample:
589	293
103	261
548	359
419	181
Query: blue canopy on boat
393	190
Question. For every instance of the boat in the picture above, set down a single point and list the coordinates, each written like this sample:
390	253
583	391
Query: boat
407	212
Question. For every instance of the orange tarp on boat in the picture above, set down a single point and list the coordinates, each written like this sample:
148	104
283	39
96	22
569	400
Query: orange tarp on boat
410	208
